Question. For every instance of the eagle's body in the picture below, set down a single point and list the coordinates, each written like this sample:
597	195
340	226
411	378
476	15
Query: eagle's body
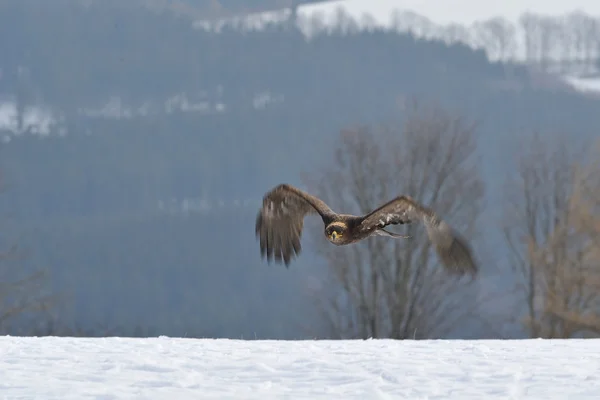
280	221
350	229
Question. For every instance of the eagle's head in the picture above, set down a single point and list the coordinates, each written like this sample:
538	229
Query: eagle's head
335	232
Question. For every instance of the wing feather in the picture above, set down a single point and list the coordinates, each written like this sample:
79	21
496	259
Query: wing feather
280	221
452	249
401	210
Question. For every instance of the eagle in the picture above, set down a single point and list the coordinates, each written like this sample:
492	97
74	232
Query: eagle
280	221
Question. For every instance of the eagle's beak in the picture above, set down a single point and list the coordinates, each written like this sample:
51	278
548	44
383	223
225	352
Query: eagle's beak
334	235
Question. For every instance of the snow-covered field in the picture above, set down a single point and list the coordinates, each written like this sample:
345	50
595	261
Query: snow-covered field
167	368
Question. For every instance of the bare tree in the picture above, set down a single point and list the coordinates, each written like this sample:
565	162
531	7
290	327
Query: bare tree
418	25
21	292
577	39
591	34
583	32
313	25
573	302
530	27
550	33
542	37
498	36
548	246
344	23
456	33
394	288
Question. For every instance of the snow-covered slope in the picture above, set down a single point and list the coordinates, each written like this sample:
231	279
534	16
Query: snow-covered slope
444	12
454	11
448	20
166	368
584	85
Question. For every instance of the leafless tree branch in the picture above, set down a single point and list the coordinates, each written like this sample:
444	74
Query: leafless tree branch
394	288
550	234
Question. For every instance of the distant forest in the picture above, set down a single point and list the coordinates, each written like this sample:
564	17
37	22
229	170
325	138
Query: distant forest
139	204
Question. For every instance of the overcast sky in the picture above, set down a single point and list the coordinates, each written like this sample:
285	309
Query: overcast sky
461	11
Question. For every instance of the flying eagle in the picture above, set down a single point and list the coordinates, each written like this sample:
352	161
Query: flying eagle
280	221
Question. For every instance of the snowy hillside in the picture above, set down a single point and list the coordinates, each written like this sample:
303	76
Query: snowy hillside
559	31
455	11
166	368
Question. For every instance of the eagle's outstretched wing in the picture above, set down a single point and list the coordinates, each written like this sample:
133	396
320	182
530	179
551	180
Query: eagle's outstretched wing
452	249
280	221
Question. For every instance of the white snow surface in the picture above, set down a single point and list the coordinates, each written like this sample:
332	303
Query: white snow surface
169	368
455	11
584	85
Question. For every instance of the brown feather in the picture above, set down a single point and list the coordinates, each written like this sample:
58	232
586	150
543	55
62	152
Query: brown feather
453	251
280	221
401	210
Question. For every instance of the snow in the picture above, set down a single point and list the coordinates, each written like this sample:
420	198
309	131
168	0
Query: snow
454	11
584	84
433	19
381	13
169	368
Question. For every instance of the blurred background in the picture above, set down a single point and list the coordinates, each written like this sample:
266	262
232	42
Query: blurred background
138	138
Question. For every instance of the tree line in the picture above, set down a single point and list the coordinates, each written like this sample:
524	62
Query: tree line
562	43
553	43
